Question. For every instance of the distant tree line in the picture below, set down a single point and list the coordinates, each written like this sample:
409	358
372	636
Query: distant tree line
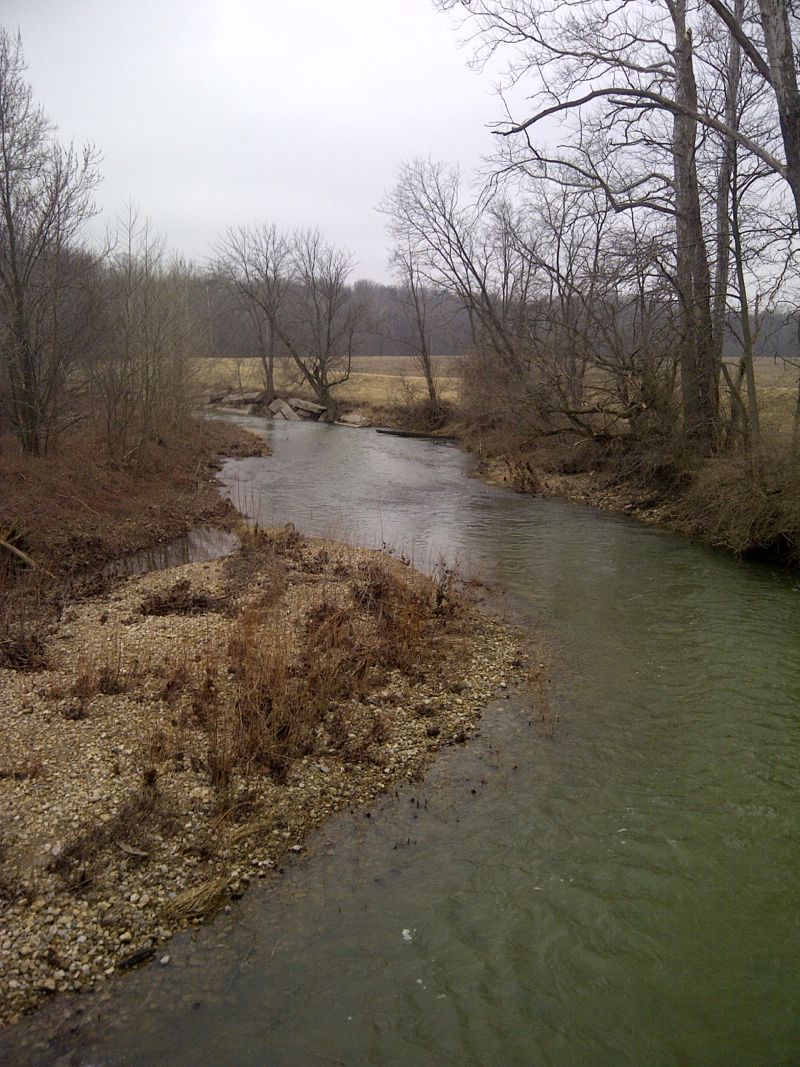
618	285
109	335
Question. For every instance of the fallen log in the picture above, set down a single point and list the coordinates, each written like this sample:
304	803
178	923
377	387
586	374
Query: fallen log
416	433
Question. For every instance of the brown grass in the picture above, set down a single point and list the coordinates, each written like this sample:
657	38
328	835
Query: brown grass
23	635
277	687
76	508
199	900
286	687
725	507
375	381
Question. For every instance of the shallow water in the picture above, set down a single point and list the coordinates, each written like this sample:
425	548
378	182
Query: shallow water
614	885
197	546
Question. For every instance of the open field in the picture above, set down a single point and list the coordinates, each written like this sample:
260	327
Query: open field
776	382
383	382
374	380
776	385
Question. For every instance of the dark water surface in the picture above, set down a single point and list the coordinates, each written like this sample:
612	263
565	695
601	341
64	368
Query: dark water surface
616	885
198	545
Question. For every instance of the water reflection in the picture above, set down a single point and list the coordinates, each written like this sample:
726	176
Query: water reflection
197	546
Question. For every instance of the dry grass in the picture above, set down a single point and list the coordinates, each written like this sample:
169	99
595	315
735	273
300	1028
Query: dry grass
211	744
776	383
375	380
725	507
286	674
200	900
268	697
71	511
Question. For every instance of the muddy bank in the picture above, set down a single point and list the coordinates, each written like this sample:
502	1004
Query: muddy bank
187	728
523	476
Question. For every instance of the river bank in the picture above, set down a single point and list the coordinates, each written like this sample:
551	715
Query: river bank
65	517
714	501
78	507
183	730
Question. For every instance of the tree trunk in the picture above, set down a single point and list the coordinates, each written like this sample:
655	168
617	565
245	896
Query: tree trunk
268	365
723	191
780	55
754	423
699	379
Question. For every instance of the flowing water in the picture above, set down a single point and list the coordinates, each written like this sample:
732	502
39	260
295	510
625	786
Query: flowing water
616	884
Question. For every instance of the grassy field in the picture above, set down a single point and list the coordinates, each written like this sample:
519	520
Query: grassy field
385	381
776	383
374	380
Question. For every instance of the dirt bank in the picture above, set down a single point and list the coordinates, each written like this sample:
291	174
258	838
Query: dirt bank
76	508
586	487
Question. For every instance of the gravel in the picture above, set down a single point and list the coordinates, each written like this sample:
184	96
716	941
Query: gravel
81	738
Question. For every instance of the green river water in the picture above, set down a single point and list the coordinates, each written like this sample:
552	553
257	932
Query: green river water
614	884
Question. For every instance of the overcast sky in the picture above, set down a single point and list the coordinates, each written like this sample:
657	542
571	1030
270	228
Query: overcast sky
209	114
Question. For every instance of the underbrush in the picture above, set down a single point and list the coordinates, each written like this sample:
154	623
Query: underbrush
277	692
418	416
28	605
292	677
64	515
725	506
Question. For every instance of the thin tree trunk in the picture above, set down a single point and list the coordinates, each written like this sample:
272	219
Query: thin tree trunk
722	272
783	70
754	424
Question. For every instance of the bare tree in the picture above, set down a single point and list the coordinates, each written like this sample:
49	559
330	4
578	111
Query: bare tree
624	77
45	197
143	369
419	303
322	316
464	252
254	263
295	291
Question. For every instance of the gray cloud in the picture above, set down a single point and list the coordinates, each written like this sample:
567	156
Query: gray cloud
216	113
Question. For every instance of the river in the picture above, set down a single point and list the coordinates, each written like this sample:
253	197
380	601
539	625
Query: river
613	883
